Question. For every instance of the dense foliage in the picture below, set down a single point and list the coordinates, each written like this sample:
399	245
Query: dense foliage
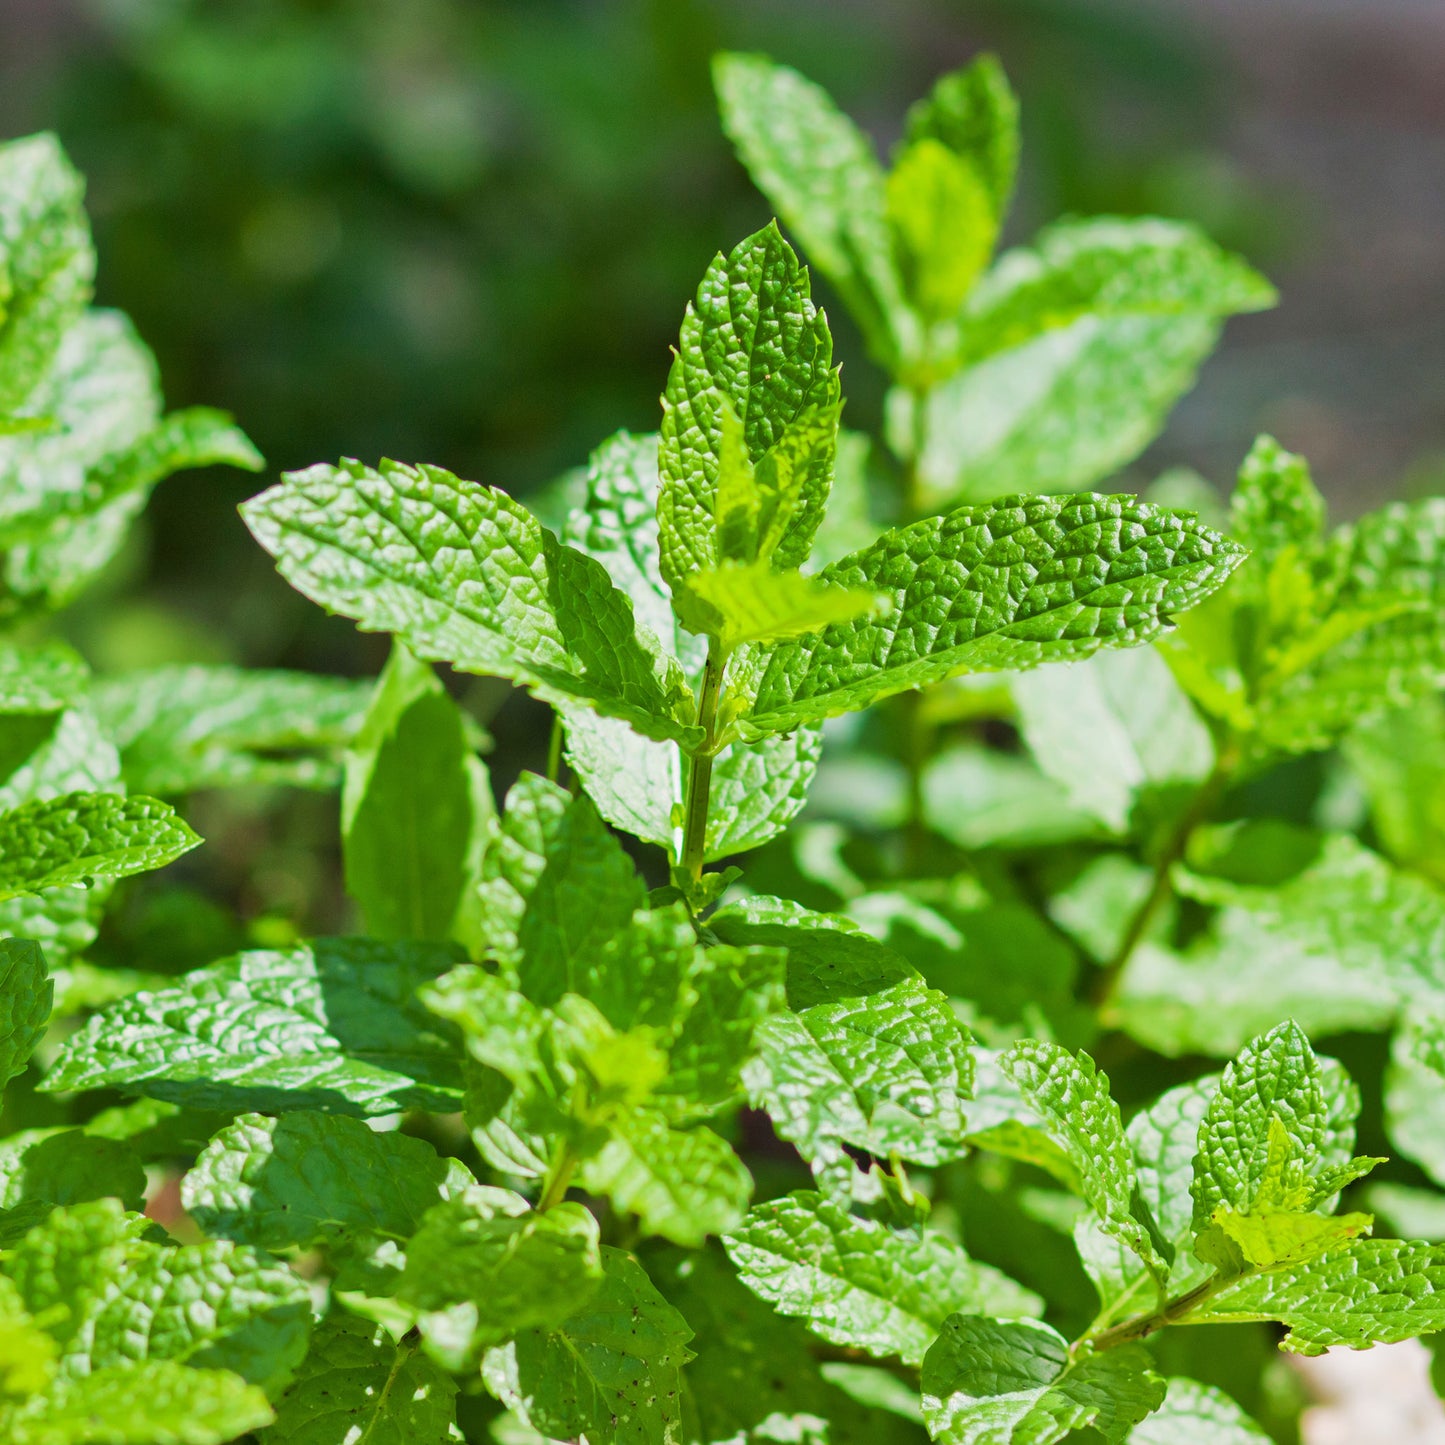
565	1142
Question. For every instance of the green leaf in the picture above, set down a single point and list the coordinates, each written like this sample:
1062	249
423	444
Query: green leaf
46	260
183	728
1399	758
1415	1090
820	172
155	1402
869	1056
415	809
1071	1098
26	995
1376	1291
74	838
1116	732
613	1370
752	347
333	1024
994	1382
40	679
111	1297
1072	354
944	222
1275	505
465	575
67	1166
683	1184
739	603
1195	1414
975	114
306	1180
358	1384
1032	580
859	1284
512	1268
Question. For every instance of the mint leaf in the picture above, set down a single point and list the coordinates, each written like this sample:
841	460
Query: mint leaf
71	839
40	679
511	1268
1071	355
305	1180
1415	1090
1376	1291
463	574
859	1284
1040	579
612	1370
415	809
1276	505
333	1024
65	1166
1195	1414
46	260
993	1382
754	347
26	995
183	728
740	603
1071	1098
683	1184
819	170
357	1382
1116	732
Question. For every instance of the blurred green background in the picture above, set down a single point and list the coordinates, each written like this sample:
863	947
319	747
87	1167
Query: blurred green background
465	232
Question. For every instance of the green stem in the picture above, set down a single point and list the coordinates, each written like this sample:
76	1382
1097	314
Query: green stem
1200	806
917	735
559	1178
1170	1313
699	776
554	750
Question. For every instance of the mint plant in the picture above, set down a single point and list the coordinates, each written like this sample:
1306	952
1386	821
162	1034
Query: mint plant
581	1139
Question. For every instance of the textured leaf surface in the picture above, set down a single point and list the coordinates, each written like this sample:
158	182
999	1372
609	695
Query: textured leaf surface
613	1370
741	603
1195	1414
40	679
1073	1103
415	808
357	1385
754	347
1010	1382
304	1180
187	727
66	1166
69	840
465	575
1042	579
26	994
333	1025
857	1283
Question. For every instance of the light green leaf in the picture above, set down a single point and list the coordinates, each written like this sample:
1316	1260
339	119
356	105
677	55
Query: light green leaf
613	1370
1415	1090
152	1402
683	1184
1032	580
46	260
182	728
357	1384
740	603
975	114
334	1024
820	172
74	838
1011	1382
1073	353
1195	1414
41	679
752	346
509	1267
1376	1291
26	995
465	575
859	1284
416	807
1275	505
1071	1098
1399	758
1115	732
1269	1239
308	1180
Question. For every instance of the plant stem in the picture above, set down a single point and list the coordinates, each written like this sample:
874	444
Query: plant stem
699	776
917	735
1200	807
559	1178
554	750
1169	1313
